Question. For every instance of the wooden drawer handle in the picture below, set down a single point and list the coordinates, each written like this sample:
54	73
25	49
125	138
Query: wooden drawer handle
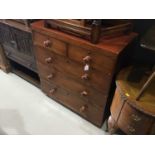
83	108
84	93
131	129
87	59
47	43
135	117
50	76
53	90
48	60
85	77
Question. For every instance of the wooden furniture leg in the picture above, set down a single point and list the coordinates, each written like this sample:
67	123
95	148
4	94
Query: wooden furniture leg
4	63
112	125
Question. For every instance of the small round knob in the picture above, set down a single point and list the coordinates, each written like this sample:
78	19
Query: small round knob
53	90
131	129
47	43
48	60
87	59
85	77
84	93
135	117
50	76
83	108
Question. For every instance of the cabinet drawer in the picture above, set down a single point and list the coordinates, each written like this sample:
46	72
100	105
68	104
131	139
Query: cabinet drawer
93	58
132	121
88	94
86	110
49	43
99	80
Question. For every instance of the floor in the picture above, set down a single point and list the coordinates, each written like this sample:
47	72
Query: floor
24	109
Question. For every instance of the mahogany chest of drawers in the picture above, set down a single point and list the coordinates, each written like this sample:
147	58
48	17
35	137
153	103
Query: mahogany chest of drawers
16	39
75	72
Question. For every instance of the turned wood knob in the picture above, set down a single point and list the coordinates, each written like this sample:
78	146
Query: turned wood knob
50	76
83	108
84	93
135	117
131	129
85	77
48	60
53	90
87	59
47	43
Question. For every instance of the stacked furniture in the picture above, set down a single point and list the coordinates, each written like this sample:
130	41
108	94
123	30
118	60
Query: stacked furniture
77	73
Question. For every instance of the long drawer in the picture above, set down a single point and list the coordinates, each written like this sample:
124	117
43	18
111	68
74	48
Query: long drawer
95	59
88	94
94	78
86	110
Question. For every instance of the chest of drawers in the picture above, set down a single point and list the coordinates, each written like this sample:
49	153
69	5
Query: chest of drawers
75	72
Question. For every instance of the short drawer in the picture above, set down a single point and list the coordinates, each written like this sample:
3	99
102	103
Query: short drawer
99	80
50	43
132	121
86	110
88	94
95	59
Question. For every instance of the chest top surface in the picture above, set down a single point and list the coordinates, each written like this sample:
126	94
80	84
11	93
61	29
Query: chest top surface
111	47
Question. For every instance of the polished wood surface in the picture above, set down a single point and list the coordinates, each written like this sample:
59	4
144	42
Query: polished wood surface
109	47
128	114
85	109
73	66
146	102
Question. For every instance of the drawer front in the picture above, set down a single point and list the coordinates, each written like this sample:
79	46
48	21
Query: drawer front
88	94
93	58
86	110
132	121
93	78
49	43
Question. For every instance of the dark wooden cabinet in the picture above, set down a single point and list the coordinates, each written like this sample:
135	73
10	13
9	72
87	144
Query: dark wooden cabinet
75	72
16	38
